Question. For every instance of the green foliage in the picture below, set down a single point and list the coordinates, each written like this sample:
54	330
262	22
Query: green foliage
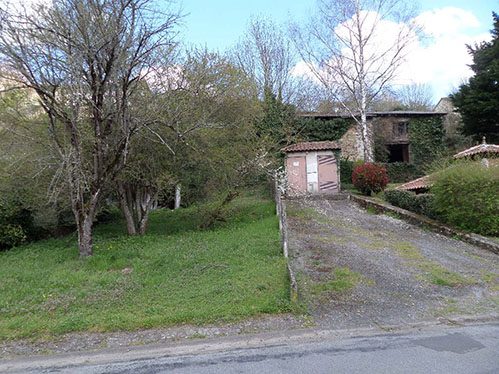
311	129
381	152
369	178
401	172
478	100
426	136
175	274
346	170
417	203
467	197
12	219
274	125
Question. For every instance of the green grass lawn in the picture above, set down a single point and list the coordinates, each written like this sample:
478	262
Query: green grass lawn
175	274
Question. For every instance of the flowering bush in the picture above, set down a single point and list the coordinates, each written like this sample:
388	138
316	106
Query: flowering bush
369	178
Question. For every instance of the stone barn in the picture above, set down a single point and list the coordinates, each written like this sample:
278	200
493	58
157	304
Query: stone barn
312	168
392	127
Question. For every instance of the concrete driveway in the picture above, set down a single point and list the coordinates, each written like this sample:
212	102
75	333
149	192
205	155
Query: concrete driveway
355	268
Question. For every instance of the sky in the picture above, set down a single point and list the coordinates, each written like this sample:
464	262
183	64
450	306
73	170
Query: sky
440	62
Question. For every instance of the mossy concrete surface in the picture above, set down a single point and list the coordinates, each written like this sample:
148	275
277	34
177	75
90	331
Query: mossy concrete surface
357	269
491	244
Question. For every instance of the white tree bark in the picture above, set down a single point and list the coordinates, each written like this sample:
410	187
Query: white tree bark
178	195
346	51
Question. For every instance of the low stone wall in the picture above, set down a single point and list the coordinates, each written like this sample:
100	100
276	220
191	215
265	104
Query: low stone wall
422	221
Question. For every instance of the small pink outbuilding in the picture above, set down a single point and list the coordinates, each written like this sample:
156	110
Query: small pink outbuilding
312	168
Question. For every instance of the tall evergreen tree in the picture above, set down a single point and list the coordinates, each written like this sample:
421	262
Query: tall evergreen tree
478	100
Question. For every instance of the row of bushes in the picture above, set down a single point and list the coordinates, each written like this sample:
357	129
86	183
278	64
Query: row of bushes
464	195
467	197
420	204
397	172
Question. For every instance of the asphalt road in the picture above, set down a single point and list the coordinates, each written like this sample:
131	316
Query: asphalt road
466	349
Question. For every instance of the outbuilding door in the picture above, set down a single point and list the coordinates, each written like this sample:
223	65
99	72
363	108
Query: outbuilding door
296	167
328	174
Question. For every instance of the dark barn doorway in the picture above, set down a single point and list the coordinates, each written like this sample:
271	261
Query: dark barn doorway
398	152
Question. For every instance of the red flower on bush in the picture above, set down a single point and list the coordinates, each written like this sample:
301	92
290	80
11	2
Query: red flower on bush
369	178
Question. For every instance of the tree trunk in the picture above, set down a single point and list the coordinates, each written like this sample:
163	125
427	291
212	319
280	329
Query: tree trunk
85	236
126	206
144	203
143	222
84	212
178	195
366	139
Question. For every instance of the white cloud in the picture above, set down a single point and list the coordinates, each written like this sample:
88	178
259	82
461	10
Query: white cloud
445	21
441	60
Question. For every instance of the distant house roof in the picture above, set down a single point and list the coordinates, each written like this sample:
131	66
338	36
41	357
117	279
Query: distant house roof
416	184
396	113
483	148
310	146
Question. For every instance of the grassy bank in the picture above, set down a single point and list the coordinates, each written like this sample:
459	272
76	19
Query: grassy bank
175	274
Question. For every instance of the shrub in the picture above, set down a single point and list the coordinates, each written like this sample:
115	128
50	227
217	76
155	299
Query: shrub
467	197
12	219
401	172
424	205
420	204
402	199
369	178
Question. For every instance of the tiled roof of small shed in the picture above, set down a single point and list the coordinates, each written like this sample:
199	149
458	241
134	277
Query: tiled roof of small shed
483	148
416	184
310	146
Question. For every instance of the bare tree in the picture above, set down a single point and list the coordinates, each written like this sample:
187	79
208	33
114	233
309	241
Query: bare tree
85	60
265	54
354	49
416	96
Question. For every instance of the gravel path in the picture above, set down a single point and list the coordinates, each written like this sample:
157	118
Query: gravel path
358	269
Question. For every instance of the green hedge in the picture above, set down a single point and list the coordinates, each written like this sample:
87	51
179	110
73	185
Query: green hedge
401	172
420	204
467	197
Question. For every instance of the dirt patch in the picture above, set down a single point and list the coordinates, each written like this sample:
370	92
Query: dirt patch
399	273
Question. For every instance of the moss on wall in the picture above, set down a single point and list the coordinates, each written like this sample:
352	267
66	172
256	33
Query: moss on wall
426	137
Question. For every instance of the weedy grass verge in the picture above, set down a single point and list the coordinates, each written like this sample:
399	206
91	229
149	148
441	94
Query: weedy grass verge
175	274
